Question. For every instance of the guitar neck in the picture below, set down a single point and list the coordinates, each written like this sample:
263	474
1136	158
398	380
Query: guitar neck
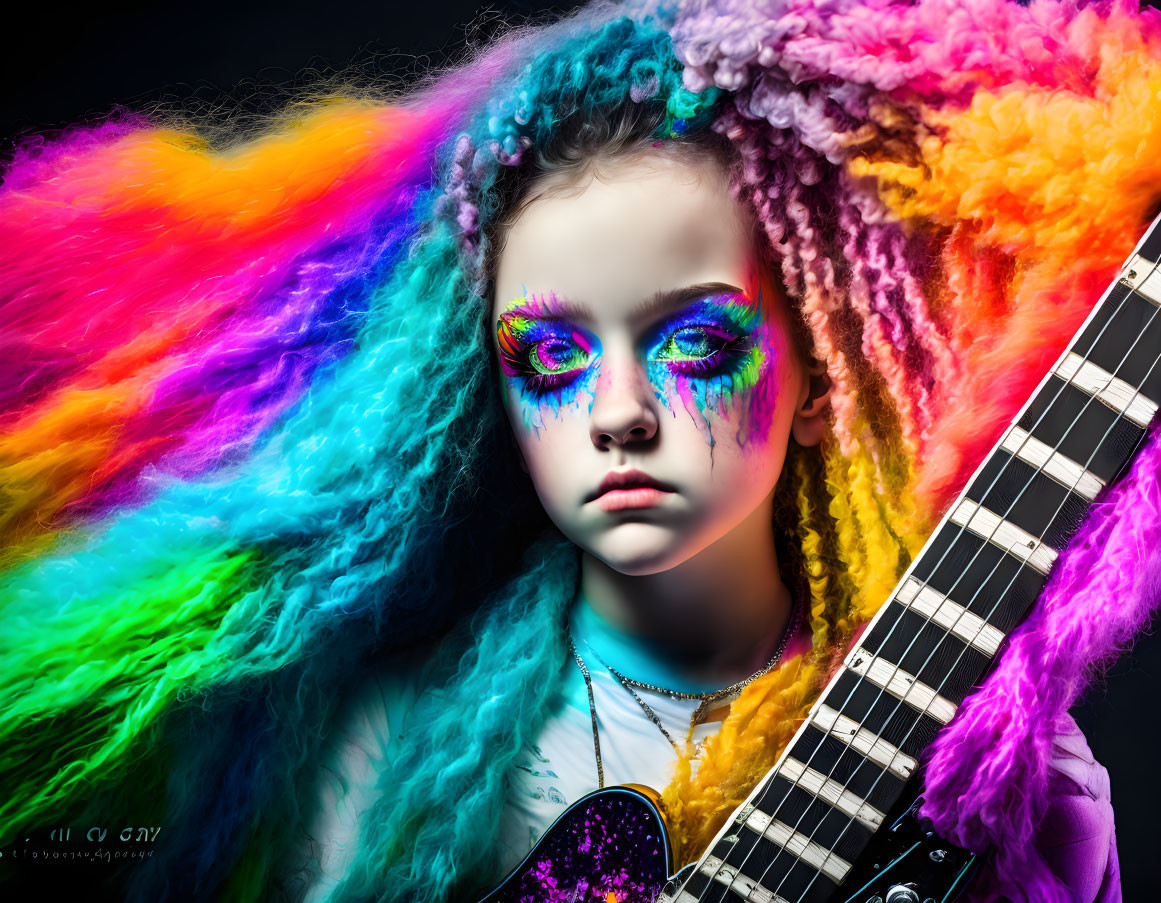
798	834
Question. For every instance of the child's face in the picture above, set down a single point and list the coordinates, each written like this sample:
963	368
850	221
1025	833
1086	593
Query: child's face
638	338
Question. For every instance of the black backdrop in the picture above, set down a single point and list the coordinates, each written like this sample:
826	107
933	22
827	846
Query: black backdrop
66	65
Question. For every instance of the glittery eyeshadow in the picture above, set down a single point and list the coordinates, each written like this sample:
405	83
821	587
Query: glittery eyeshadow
704	358
711	354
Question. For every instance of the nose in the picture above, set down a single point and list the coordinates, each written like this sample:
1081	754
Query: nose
624	409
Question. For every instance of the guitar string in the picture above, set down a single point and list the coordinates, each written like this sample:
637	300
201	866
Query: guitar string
963	529
1092	455
899	706
725	888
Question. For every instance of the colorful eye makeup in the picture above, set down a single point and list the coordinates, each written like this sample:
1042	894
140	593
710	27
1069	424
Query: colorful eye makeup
709	354
704	354
704	339
542	351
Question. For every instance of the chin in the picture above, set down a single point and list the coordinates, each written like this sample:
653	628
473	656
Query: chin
637	550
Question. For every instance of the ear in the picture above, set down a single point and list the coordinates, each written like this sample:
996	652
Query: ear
810	421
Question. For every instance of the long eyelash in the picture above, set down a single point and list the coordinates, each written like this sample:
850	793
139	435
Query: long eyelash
514	360
543	383
732	350
535	382
516	363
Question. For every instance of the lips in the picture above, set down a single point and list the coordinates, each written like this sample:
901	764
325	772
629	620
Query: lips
629	489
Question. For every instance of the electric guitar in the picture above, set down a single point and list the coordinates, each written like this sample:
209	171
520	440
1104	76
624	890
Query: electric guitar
834	819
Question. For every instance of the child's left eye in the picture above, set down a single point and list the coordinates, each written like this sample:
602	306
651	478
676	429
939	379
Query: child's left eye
694	343
700	350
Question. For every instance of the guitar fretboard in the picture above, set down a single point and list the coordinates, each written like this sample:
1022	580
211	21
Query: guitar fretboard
802	828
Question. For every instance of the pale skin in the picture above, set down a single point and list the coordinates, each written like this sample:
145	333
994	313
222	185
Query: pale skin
689	567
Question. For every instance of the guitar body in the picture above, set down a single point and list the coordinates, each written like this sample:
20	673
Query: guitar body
609	845
612	847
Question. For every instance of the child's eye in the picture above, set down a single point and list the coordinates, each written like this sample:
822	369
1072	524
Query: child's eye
692	342
550	364
545	357
699	350
553	356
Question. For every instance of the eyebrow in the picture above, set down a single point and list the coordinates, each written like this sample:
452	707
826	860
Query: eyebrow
660	303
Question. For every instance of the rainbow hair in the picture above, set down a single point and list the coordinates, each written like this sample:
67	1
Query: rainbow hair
250	411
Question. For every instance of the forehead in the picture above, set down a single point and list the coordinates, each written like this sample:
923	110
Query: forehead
634	228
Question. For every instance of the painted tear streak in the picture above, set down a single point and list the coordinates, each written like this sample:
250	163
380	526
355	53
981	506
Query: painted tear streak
745	388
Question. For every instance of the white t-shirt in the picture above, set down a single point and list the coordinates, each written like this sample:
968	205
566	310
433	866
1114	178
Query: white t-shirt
556	770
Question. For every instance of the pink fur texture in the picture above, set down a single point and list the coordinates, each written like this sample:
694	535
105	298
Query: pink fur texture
987	775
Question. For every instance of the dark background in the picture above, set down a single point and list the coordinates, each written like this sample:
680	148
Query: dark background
227	58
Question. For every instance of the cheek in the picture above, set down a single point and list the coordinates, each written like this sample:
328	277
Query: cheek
552	438
763	389
536	413
554	464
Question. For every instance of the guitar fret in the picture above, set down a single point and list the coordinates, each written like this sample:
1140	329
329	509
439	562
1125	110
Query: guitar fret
1013	540
799	845
900	684
1119	395
1029	499
1149	247
1122	338
831	791
1002	585
1060	467
819	819
1144	278
951	616
1064	417
829	755
863	741
791	879
746	888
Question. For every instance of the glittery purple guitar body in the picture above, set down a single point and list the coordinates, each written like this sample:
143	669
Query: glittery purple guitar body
612	847
612	842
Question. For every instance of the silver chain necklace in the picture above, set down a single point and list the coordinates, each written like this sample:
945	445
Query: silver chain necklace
705	699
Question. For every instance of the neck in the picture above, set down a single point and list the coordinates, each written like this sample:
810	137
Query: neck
716	618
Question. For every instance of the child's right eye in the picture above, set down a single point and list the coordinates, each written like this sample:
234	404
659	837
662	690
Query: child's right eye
554	356
544	355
